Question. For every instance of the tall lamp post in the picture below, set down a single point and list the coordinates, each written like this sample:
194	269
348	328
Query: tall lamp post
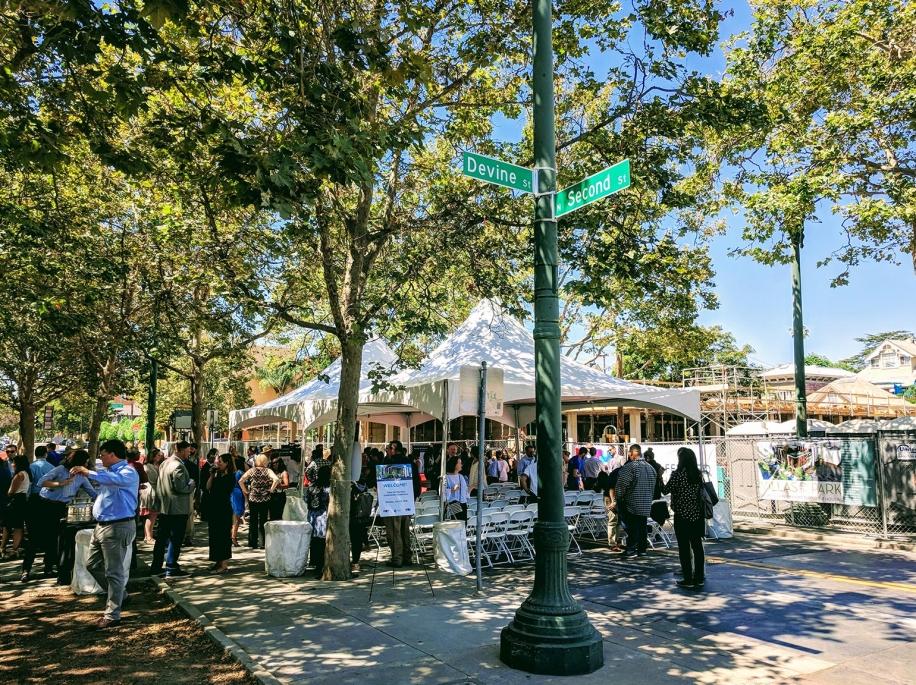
550	633
798	335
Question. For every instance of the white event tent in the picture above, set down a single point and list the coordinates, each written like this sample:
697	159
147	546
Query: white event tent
432	391
315	402
489	334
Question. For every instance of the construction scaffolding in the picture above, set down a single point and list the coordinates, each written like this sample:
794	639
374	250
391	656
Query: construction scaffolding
730	395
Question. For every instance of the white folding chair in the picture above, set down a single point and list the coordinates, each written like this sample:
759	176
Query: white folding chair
585	498
472	540
377	530
521	524
513	496
596	520
570	497
512	508
571	515
496	536
498	504
428	507
533	508
421	529
656	533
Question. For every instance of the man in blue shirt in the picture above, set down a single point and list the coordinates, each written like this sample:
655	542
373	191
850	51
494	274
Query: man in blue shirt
54	457
115	510
37	469
56	488
524	461
574	470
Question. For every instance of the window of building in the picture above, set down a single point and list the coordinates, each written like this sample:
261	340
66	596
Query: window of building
888	360
376	432
875	362
904	359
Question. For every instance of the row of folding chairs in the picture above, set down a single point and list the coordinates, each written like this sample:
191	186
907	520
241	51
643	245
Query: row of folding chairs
504	536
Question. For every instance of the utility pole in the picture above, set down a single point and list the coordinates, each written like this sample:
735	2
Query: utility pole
798	335
550	634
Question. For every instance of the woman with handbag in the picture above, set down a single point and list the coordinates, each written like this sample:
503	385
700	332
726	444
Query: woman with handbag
685	487
456	490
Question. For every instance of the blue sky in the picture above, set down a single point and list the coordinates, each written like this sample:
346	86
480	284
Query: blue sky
755	301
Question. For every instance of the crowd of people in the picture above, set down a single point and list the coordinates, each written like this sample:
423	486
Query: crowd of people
632	483
158	496
161	496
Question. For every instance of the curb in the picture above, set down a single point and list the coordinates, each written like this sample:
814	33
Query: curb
846	538
261	674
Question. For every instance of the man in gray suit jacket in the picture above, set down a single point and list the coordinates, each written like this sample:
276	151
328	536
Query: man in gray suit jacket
172	488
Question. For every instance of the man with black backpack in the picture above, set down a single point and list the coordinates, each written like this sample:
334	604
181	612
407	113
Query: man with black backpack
361	504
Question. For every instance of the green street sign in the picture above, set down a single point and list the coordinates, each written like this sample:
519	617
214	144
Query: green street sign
116	405
593	188
498	172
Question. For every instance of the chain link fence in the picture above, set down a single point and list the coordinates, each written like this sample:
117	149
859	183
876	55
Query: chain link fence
844	483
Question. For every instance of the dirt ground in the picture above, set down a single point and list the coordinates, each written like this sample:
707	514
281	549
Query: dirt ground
47	635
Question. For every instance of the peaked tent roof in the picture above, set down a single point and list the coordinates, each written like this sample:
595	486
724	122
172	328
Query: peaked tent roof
814	426
851	391
811	371
904	423
856	427
315	398
753	428
491	335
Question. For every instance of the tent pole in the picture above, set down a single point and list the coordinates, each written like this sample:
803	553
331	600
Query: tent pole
442	454
518	442
408	432
700	435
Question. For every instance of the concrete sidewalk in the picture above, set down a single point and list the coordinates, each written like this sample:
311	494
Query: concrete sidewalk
758	621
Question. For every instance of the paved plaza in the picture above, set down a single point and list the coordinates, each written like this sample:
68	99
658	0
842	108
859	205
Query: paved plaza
773	611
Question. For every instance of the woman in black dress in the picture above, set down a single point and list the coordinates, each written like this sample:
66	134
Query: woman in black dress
219	513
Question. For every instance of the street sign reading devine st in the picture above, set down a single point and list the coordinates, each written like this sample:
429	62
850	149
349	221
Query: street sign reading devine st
498	172
593	188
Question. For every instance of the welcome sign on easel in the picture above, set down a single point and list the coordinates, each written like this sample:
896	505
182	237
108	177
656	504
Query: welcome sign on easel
395	490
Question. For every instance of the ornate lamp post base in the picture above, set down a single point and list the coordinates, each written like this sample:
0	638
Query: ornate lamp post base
550	634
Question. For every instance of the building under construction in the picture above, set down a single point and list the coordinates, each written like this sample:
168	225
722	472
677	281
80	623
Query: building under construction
731	395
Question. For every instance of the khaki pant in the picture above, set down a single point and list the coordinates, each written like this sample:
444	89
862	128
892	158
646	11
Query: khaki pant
189	530
108	550
397	531
614	527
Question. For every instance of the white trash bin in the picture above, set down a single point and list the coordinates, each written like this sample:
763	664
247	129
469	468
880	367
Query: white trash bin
450	547
296	509
286	548
721	521
82	582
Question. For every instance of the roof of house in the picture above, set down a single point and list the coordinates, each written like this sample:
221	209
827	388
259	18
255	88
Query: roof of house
905	346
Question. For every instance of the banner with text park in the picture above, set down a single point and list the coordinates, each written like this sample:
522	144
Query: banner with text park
818	470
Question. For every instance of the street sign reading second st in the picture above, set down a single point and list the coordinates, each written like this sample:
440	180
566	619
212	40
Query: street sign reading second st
593	188
498	172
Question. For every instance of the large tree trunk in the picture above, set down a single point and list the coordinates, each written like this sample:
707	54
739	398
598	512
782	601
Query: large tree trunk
27	429
95	426
103	397
197	400
337	555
